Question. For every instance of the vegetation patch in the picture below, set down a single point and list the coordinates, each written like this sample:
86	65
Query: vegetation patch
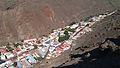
70	30
63	38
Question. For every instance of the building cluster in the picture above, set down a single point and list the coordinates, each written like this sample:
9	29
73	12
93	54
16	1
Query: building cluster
28	52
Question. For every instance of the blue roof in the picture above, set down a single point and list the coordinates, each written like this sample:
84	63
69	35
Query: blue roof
31	58
19	64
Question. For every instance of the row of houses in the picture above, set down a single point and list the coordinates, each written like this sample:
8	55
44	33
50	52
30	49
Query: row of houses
28	52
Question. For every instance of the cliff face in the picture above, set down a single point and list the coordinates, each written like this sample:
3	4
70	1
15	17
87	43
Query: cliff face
24	19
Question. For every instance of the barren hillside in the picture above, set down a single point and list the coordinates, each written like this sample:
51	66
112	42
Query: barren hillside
24	19
87	51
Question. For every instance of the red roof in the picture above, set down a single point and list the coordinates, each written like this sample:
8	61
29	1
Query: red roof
27	52
17	50
20	55
64	45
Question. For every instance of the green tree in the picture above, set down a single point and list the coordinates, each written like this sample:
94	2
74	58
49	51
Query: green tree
70	30
39	58
15	64
10	48
63	38
16	45
66	32
35	47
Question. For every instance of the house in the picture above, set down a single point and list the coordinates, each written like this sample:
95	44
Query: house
43	51
3	50
2	61
19	64
7	55
74	26
37	54
31	59
3	57
21	56
25	63
6	64
65	46
30	47
51	49
16	50
30	41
